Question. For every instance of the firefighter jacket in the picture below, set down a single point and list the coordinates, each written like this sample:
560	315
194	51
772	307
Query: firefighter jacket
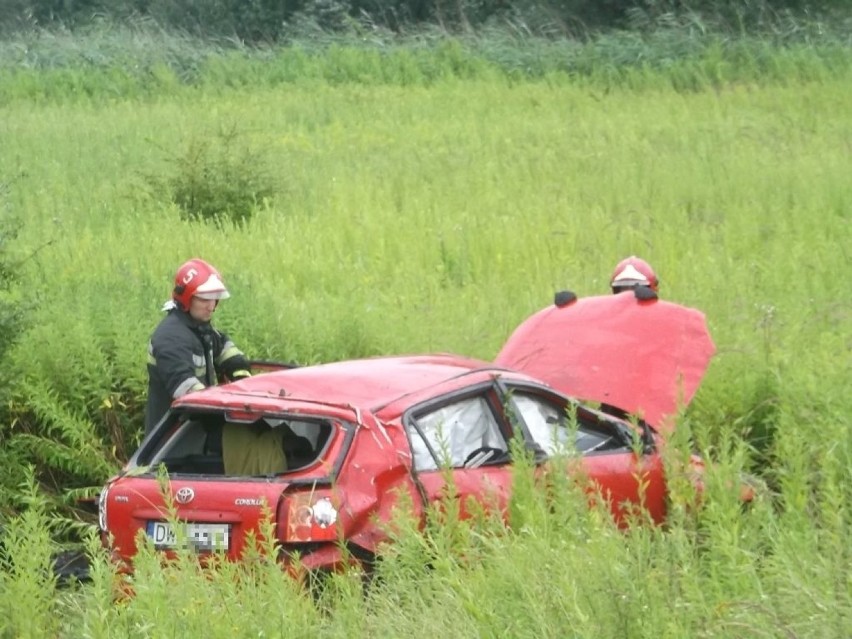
186	355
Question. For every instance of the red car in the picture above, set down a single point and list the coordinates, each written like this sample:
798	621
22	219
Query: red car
328	450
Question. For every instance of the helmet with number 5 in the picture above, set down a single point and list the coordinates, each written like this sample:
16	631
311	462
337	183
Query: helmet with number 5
197	278
632	272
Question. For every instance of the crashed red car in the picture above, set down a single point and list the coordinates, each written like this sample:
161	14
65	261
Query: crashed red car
328	450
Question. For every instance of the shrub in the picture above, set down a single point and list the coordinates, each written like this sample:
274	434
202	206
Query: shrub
219	179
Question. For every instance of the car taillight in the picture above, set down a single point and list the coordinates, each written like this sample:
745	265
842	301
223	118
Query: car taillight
309	516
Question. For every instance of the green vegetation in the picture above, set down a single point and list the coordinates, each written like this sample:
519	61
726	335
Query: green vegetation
428	198
267	21
136	62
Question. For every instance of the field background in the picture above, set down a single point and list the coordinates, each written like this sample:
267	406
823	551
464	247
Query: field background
404	213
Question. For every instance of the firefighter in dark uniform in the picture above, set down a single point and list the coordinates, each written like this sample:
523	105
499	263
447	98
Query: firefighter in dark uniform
185	352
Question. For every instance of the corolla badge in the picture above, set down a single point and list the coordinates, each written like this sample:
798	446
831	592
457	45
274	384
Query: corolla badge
184	495
249	501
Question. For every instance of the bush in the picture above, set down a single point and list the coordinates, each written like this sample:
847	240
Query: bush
217	180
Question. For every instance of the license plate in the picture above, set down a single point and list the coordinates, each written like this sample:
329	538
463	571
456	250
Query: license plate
197	536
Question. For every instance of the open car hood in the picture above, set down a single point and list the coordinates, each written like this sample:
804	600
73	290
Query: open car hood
645	356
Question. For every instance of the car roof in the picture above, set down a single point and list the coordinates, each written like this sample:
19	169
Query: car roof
368	384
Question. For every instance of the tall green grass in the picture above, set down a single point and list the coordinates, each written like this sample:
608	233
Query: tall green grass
412	219
560	569
434	216
111	62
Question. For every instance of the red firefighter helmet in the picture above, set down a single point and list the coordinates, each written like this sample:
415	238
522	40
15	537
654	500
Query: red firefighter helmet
197	278
632	272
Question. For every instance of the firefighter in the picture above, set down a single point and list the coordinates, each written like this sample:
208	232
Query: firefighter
185	352
631	273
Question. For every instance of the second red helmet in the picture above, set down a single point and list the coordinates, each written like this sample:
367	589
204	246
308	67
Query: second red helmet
197	278
632	272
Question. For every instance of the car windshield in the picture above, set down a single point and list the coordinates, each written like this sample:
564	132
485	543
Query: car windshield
210	444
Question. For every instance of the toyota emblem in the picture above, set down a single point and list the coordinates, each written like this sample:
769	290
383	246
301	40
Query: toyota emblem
184	495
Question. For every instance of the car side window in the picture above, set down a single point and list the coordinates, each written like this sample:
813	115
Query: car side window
463	434
546	423
552	431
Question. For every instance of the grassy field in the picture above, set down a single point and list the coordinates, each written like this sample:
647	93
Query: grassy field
435	217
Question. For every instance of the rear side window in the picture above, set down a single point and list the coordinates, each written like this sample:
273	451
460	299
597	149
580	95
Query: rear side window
211	445
463	434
